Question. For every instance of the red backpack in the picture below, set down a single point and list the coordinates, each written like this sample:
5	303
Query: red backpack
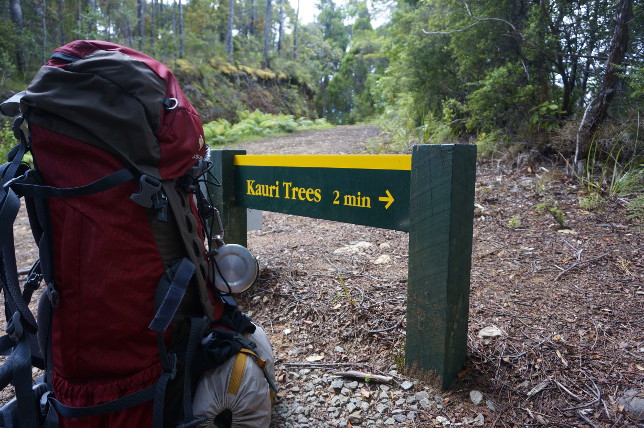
116	207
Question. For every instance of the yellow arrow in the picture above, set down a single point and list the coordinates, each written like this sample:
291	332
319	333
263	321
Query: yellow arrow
389	199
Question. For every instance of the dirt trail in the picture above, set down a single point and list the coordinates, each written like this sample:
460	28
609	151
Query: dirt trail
336	141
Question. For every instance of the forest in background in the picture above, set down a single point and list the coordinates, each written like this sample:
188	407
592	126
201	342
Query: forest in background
526	76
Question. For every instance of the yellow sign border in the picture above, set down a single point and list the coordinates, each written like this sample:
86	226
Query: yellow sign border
389	162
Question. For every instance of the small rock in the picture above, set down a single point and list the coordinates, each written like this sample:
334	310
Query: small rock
633	402
351	407
411	399
302	419
422	395
352	385
406	385
400	402
382	260
400	417
345	391
337	384
411	416
442	420
491	331
479	420
355	418
476	397
339	349
390	421
380	407
425	403
490	405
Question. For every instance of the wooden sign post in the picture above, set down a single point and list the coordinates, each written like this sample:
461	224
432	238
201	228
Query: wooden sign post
429	194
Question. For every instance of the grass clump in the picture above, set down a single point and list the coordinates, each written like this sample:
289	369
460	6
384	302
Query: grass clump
256	125
556	212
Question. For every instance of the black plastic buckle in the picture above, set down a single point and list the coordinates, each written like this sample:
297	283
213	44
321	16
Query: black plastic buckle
149	187
160	204
34	278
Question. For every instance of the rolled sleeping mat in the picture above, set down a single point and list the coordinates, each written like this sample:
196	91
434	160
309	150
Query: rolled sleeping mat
236	394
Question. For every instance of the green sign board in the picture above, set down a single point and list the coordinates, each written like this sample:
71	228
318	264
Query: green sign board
359	189
430	194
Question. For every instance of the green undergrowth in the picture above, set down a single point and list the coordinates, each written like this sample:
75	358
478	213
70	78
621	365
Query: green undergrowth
7	140
256	125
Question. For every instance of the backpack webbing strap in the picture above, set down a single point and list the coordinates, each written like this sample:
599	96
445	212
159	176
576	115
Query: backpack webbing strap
117	405
26	185
9	206
17	370
239	368
197	328
171	301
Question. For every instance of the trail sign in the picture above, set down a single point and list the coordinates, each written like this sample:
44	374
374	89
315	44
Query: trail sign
430	194
358	189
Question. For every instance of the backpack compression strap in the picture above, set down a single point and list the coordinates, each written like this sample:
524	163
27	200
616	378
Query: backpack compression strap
22	326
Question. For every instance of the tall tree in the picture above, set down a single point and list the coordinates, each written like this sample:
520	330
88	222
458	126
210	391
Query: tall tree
180	30
280	37
229	32
295	29
267	33
253	17
61	22
140	10
44	30
598	108
17	19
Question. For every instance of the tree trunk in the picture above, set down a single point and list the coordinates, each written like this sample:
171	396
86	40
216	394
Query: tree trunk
180	30
153	27
61	22
297	24
44	31
16	18
140	11
597	110
280	37
91	25
267	32
229	32
253	17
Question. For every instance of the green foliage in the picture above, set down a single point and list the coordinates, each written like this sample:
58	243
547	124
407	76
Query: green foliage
635	209
7	140
256	125
607	173
591	202
490	143
551	207
544	116
515	222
